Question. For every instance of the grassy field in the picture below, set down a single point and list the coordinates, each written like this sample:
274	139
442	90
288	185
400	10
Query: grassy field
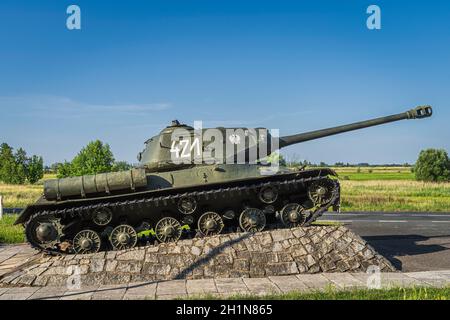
390	189
355	294
10	233
374	173
395	195
19	196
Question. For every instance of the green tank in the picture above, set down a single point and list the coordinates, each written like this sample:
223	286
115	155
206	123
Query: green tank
190	182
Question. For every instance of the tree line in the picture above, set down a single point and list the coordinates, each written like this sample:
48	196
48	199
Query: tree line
17	168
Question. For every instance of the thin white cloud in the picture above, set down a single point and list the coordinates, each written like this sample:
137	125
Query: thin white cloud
258	121
65	106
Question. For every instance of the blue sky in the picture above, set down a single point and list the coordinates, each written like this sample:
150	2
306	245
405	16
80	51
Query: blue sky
292	65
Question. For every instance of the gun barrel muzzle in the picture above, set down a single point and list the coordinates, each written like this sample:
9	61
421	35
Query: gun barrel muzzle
420	112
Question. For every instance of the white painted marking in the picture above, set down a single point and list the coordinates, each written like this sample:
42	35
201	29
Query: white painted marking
444	215
437	221
350	220
392	221
343	214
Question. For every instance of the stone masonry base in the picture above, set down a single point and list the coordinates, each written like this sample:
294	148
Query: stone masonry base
270	253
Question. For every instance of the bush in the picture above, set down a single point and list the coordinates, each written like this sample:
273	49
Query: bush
276	158
63	169
96	157
432	165
35	170
121	166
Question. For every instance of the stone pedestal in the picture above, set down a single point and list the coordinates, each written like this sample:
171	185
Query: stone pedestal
274	252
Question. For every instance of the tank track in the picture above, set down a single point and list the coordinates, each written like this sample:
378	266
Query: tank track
84	212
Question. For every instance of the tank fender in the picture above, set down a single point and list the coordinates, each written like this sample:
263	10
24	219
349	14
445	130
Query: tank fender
24	215
327	171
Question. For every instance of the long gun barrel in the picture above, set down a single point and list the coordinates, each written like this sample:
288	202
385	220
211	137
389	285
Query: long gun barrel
416	113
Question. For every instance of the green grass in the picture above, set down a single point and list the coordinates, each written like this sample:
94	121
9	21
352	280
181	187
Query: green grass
10	233
377	176
19	196
326	223
374	173
354	294
395	195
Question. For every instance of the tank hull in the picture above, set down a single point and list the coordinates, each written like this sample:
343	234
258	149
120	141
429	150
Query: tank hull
227	193
175	193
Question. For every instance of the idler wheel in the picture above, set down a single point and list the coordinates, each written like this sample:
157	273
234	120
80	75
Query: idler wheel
321	192
268	195
87	241
102	216
293	215
123	237
252	220
168	229
210	223
46	232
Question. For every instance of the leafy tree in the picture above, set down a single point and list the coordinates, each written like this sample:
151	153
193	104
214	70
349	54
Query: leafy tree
7	163
64	169
54	167
35	170
21	167
121	166
96	157
432	165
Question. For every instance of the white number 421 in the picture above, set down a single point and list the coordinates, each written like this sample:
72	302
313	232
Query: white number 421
184	148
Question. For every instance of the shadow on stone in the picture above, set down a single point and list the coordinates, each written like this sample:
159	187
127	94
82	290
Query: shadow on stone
210	255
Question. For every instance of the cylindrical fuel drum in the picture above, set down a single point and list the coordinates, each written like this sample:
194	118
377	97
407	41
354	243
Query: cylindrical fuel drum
88	185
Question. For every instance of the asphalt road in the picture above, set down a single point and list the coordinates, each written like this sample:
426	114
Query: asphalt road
411	241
